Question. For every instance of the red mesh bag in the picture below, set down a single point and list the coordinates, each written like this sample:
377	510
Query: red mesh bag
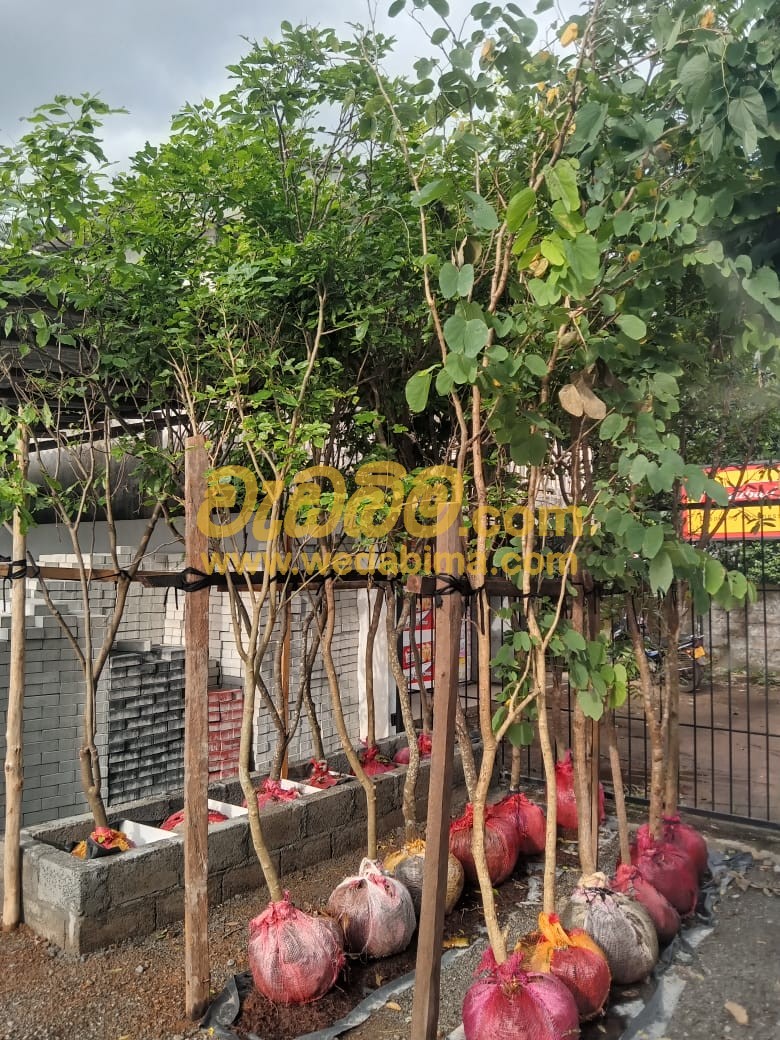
373	762
508	1003
320	775
502	843
176	821
273	792
566	800
575	959
630	882
401	758
668	869
688	840
294	957
375	912
529	820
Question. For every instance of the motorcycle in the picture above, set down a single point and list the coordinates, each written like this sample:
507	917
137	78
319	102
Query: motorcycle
690	658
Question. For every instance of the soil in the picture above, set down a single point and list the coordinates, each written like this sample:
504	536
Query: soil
134	991
271	1022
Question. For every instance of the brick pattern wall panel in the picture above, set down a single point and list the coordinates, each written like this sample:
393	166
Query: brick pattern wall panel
145	694
225	711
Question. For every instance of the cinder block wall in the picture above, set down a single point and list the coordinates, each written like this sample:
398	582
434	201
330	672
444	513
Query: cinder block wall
146	757
52	716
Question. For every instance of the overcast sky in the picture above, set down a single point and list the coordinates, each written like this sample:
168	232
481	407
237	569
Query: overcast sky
150	56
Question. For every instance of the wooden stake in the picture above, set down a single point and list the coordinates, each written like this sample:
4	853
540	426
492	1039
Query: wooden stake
14	732
425	1010
196	742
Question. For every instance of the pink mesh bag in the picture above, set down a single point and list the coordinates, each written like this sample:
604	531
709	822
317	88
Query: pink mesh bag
375	912
294	957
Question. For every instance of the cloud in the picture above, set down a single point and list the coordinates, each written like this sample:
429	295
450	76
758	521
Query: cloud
151	56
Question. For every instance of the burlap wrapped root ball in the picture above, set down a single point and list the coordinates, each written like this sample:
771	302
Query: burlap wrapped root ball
294	957
375	912
619	925
577	961
407	866
510	1002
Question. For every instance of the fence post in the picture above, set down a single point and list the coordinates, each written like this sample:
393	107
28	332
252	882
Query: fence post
425	1010
196	742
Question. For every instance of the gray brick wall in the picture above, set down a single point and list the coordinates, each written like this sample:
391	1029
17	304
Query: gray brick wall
150	759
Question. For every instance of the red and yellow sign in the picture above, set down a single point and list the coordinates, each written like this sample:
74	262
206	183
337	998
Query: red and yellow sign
753	510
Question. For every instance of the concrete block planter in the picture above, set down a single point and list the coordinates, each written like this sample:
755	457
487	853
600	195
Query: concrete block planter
84	905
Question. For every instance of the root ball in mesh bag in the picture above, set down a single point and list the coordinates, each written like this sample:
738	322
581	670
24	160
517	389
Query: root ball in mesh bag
375	912
619	925
294	957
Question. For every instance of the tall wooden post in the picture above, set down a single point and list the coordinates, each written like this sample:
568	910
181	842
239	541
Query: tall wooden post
14	729
449	616
196	743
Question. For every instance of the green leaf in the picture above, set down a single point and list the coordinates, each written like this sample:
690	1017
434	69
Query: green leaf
430	192
465	279
745	113
561	181
661	573
448	280
590	120
573	640
528	449
395	8
524	236
638	469
444	382
584	257
623	222
695	72
652	541
536	365
520	205
551	249
465	337
498	718
714	575
463	369
632	326
9	324
612	427
520	734
417	390
591	703
481	212
441	7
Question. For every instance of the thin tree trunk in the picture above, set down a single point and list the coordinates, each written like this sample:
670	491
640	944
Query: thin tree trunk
310	656
653	722
413	769
548	760
617	786
466	750
516	770
262	852
341	726
375	615
14	731
672	717
558	731
414	646
282	694
582	777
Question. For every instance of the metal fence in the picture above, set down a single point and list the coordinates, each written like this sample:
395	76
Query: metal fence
729	723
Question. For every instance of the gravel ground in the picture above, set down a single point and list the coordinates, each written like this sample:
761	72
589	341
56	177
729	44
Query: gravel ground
134	991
